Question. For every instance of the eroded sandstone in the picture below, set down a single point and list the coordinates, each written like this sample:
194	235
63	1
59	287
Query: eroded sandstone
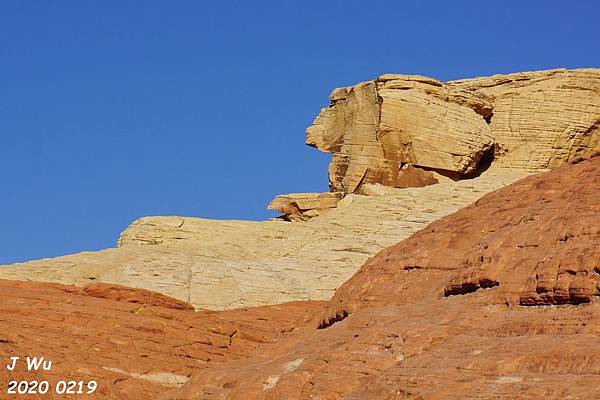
134	346
227	264
414	148
397	329
531	120
304	206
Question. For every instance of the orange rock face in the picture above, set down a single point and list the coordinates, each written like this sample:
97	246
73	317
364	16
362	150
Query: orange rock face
134	343
497	301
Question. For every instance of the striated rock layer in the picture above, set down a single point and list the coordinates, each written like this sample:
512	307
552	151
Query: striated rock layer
530	120
135	344
497	301
304	206
406	151
227	264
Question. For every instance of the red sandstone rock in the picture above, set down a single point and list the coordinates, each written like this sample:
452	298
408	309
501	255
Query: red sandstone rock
135	348
138	296
446	314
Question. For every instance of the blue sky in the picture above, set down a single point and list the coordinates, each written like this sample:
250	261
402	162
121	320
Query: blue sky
112	110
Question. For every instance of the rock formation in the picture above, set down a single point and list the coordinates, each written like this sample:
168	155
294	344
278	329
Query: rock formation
448	312
500	300
227	264
133	346
496	301
406	151
532	120
303	206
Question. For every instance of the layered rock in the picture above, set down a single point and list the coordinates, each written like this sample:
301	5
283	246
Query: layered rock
533	121
303	206
541	119
419	320
446	313
443	144
226	264
534	242
133	346
497	301
374	128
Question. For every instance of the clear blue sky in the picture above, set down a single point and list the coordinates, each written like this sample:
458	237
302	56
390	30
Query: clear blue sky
112	110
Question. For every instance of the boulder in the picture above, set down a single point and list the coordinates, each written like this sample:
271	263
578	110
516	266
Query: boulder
304	206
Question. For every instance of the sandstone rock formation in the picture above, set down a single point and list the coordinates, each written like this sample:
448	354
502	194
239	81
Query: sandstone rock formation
448	312
443	145
226	264
499	300
134	347
303	206
542	119
532	120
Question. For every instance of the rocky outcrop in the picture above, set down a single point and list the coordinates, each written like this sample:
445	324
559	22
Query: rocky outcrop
467	307
407	150
133	350
138	296
447	313
374	128
303	206
498	300
541	119
534	242
226	264
532	120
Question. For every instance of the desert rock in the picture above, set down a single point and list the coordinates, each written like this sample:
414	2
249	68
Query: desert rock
406	151
303	206
133	348
374	128
532	120
227	264
497	301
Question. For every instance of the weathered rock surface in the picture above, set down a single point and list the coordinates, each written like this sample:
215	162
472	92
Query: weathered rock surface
120	337
531	120
374	128
401	329
500	300
455	141
304	206
226	264
541	119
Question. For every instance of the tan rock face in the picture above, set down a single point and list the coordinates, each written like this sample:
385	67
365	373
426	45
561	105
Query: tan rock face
226	264
303	206
410	176
374	128
401	131
532	121
542	119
